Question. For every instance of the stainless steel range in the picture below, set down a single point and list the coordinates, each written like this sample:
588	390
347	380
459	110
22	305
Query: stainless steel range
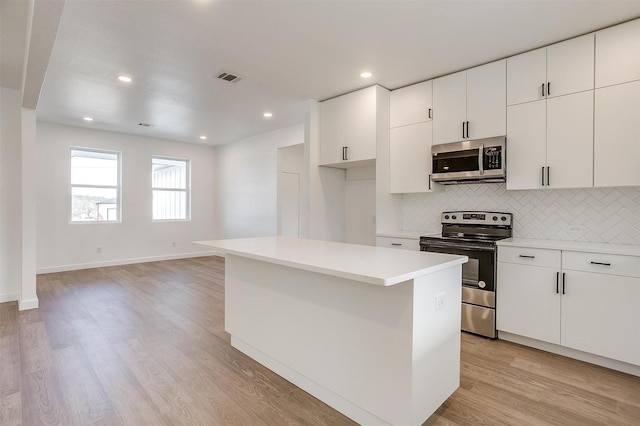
474	234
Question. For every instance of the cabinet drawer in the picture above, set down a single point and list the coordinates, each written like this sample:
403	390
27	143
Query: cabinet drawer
613	264
398	243
530	256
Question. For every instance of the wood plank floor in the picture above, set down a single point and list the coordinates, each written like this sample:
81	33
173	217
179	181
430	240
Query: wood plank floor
145	345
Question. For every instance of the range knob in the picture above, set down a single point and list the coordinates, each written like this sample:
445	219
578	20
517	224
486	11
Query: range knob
446	216
482	284
503	218
495	218
454	217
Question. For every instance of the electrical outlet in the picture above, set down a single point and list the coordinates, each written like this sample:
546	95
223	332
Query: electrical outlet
440	299
575	229
98	250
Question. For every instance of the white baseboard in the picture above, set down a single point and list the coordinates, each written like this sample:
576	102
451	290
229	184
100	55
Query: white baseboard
24	305
117	262
9	297
572	353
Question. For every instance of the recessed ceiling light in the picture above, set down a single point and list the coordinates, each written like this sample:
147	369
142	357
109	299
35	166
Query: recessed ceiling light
87	118
125	78
203	137
268	115
366	74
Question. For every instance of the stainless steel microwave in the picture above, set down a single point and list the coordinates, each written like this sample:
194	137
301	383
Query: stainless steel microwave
480	160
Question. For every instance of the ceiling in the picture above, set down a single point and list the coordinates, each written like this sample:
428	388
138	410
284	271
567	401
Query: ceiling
286	52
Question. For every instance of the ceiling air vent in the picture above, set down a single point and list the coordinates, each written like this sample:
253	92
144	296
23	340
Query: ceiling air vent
228	77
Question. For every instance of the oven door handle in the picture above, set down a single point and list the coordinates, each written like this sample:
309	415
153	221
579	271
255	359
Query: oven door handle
459	247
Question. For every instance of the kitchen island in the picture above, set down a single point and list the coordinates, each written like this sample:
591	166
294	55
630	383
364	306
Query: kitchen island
371	331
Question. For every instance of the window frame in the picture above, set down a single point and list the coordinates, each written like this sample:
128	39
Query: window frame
187	190
118	188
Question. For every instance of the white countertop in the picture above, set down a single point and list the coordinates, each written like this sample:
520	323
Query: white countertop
374	265
604	248
411	235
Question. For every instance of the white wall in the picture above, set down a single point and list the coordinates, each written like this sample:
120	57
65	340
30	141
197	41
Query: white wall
62	246
360	206
10	195
246	183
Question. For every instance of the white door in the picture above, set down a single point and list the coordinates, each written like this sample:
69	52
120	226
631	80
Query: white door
617	135
410	158
486	100
525	75
289	205
449	107
618	54
528	304
570	66
570	141
411	104
600	315
526	145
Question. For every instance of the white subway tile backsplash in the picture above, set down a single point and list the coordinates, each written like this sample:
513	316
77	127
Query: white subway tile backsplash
601	215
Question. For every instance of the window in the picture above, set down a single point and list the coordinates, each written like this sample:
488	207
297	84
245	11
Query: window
95	185
170	184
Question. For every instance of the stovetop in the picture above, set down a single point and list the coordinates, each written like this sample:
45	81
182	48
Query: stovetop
478	227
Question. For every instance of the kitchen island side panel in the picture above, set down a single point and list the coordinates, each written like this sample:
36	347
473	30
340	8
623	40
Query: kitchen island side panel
352	341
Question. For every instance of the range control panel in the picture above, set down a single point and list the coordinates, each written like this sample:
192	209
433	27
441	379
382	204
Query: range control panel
477	218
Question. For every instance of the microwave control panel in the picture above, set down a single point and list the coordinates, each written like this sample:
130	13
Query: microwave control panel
492	158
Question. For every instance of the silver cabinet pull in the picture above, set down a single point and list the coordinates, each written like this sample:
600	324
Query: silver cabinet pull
396	244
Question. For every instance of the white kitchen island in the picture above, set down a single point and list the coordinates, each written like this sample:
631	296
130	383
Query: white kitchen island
373	332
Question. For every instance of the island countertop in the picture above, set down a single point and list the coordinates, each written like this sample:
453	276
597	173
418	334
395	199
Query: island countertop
369	264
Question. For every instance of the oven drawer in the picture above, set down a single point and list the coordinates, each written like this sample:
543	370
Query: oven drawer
627	266
530	256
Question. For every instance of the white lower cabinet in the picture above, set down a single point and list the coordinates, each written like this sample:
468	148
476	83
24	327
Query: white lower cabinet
582	301
398	243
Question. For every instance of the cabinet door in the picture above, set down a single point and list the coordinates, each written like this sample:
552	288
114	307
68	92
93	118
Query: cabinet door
618	54
525	75
600	315
526	145
412	104
617	135
486	100
449	107
410	159
570	66
527	302
570	141
348	121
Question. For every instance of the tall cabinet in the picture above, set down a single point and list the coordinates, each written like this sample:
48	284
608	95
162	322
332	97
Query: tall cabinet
550	116
470	104
411	112
617	106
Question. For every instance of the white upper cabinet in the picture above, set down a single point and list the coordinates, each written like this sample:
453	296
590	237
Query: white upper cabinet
618	54
526	145
470	104
412	104
557	70
486	100
449	107
410	159
617	135
349	126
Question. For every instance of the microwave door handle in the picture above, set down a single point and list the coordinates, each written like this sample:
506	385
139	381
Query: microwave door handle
480	158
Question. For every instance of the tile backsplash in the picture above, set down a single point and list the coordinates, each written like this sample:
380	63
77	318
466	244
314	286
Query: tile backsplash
603	215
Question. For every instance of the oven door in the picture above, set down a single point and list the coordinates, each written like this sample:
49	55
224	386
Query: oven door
478	274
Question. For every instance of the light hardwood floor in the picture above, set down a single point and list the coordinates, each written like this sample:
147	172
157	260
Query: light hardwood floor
145	344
